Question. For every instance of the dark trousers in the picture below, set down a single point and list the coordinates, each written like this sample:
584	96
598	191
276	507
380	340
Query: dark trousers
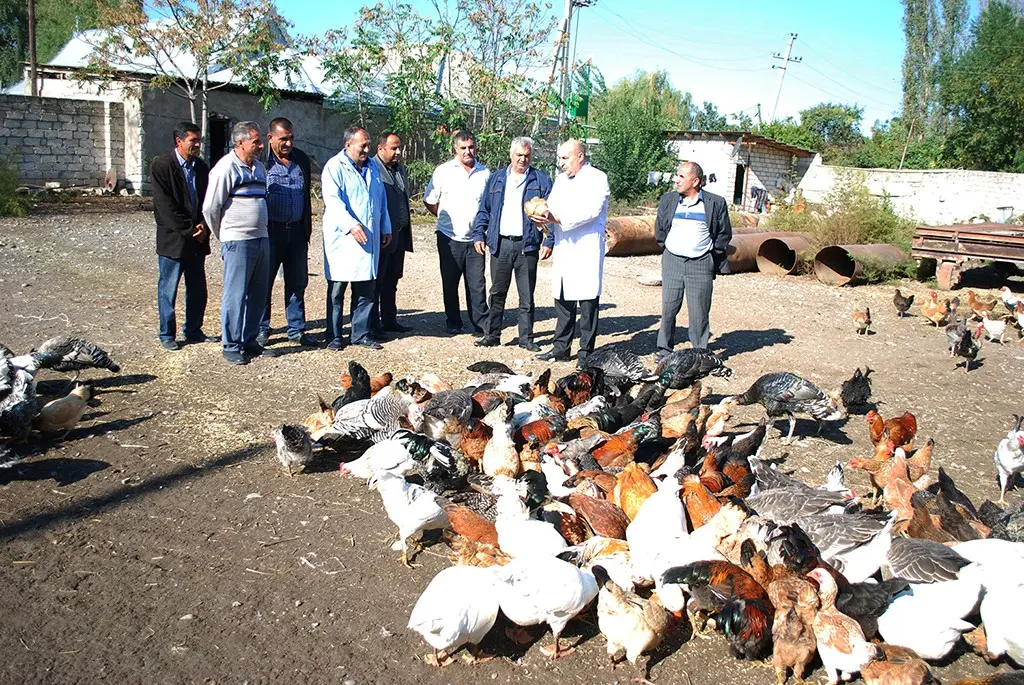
389	271
288	248
695	278
460	260
246	274
362	305
510	259
193	268
565	324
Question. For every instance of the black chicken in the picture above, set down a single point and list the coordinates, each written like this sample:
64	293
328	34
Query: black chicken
359	388
682	368
785	394
619	363
902	303
968	347
1005	525
441	467
485	367
65	354
856	391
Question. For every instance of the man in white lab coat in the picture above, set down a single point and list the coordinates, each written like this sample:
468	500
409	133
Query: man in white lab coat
577	212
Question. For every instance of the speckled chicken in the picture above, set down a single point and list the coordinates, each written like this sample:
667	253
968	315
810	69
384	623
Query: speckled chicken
294	448
66	354
786	394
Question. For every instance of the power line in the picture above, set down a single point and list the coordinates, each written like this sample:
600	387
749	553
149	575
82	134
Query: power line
837	95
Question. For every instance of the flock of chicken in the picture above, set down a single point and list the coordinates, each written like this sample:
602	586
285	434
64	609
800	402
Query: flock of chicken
21	408
622	485
963	339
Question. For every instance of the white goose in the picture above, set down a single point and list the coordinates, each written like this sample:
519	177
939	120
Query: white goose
457	608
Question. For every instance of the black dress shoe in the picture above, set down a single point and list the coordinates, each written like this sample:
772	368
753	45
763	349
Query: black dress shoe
336	345
487	341
260	351
201	337
171	345
530	346
305	340
263	338
453	330
369	343
552	356
395	327
236	358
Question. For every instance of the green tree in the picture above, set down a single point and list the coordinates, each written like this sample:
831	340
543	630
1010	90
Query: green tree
789	131
936	33
633	143
983	91
652	91
708	118
56	21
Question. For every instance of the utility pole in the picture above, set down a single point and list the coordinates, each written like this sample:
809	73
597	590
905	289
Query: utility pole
782	73
759	122
32	64
560	64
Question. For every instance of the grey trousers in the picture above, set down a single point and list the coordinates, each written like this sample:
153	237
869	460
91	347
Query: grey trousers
510	259
693	278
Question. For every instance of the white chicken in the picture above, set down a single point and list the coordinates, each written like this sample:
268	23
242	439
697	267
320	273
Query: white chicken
555	475
518	534
995	329
1008	298
1009	458
387	455
929	617
547	590
411	507
457	608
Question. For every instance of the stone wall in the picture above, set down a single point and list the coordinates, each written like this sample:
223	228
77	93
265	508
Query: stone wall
931	196
71	142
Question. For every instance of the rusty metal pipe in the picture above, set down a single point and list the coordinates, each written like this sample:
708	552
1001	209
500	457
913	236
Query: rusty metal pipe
780	256
841	264
743	249
630	235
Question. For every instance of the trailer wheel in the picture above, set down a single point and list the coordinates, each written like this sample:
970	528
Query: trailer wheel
948	275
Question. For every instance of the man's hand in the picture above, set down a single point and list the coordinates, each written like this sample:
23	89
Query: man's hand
200	233
359	234
385	240
543	219
545	252
479	246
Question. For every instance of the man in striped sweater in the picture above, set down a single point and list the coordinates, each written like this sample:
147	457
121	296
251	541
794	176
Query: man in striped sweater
236	212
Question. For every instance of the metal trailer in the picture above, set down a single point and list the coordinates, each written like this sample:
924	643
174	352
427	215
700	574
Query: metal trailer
951	246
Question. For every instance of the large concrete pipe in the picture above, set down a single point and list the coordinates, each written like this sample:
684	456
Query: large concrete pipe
743	249
630	235
780	256
841	264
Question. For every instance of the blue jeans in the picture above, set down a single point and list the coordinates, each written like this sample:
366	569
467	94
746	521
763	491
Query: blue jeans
288	248
193	268
246	274
362	305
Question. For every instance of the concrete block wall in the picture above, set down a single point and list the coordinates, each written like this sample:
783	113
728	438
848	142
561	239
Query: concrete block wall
72	142
930	196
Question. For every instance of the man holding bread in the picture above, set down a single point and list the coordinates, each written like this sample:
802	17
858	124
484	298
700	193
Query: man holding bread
516	244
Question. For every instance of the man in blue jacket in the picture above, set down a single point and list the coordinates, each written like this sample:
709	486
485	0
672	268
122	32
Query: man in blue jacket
514	241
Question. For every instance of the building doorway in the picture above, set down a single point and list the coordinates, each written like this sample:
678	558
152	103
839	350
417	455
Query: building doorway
218	133
738	185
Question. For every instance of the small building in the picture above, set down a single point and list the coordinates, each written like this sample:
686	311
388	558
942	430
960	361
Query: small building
745	168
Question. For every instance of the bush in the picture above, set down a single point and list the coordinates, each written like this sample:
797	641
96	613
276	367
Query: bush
12	203
632	144
419	176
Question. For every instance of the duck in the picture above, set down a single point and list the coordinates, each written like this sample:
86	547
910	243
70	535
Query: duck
841	643
458	607
538	589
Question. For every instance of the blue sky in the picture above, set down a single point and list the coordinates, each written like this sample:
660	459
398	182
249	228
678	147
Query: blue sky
722	52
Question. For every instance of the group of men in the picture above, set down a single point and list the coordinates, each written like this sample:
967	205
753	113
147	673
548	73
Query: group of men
257	204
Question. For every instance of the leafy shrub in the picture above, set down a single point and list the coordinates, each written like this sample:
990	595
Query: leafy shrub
12	203
419	175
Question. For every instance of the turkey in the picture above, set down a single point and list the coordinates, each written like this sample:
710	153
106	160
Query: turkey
65	353
17	395
680	369
786	394
620	363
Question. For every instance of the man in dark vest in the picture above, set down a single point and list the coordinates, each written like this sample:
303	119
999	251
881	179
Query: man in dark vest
289	226
179	181
384	317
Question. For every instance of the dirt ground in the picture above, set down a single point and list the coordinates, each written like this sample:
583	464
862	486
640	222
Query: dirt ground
160	543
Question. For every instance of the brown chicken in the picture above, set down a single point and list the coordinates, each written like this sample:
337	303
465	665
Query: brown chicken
901	666
486	400
898	492
632	488
604	518
685	399
474	438
578	387
933	311
700	503
542	430
862	320
978	305
465	552
755	562
542	386
64	413
594	483
794	645
921	524
676	423
377	383
321	420
713	479
920	462
899	430
740	488
840	639
1005	678
620	449
471	525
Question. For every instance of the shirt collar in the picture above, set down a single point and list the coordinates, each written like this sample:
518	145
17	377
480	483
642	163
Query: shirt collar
477	166
182	161
700	198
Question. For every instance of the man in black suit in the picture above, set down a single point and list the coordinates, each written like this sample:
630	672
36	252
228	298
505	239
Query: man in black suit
384	317
179	181
693	229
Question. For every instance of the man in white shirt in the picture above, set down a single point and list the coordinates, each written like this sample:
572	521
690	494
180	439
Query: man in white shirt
453	196
577	212
694	230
